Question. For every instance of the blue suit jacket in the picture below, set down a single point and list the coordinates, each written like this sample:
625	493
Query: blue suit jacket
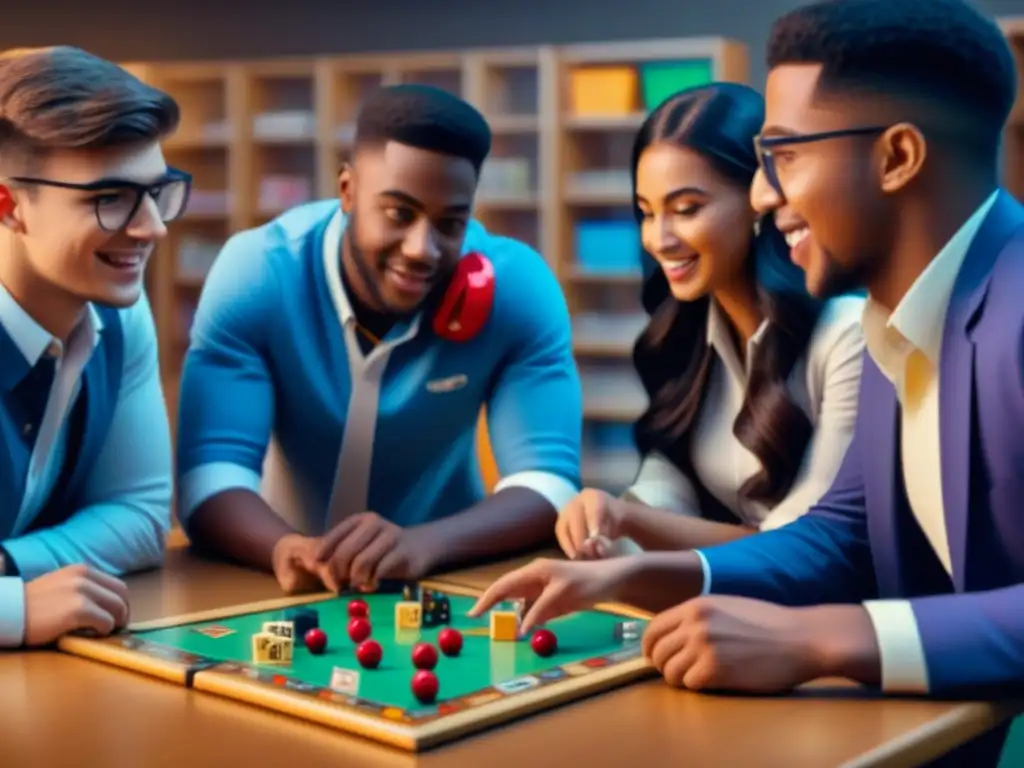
861	540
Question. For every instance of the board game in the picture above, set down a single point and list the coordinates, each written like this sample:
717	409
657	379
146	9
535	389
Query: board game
407	669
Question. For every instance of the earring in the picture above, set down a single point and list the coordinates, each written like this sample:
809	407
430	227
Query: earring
757	226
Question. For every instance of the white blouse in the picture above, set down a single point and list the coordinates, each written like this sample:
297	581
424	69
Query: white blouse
824	383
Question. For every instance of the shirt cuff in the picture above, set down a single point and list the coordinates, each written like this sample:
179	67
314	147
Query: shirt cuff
904	669
207	480
12	612
33	557
556	489
706	570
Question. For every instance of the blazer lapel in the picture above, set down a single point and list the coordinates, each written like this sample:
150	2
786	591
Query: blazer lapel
878	412
956	373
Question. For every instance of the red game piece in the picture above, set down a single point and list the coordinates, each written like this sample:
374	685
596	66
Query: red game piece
358	609
450	641
425	686
359	629
316	640
369	653
424	656
544	642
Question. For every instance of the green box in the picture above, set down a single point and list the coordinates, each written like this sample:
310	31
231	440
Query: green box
659	80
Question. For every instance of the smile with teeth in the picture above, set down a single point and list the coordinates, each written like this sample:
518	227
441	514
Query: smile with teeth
678	269
795	237
409	280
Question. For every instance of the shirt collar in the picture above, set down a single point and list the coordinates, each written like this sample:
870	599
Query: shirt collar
721	340
919	319
32	340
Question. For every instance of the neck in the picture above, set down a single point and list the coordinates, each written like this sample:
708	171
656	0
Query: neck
56	310
740	306
925	227
368	314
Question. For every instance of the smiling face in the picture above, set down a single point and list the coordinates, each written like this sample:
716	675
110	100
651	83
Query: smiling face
408	211
834	209
65	257
696	223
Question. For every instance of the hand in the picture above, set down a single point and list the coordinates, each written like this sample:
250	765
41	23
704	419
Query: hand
587	525
363	549
73	599
295	564
737	644
553	588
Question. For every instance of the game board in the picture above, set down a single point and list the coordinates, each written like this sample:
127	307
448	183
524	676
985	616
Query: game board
488	683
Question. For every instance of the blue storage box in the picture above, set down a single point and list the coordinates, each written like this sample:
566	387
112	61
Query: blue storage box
608	246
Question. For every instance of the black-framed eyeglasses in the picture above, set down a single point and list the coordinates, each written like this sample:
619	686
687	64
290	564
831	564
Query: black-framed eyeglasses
119	199
764	145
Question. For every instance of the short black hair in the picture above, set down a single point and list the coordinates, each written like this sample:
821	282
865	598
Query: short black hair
425	117
64	98
941	52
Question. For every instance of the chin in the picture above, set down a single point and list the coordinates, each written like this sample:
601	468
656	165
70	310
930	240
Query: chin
688	291
119	298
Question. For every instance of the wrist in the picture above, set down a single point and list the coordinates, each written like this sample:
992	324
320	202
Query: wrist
842	643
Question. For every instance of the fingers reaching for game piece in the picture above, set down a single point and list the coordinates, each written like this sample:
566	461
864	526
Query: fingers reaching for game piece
553	588
369	654
364	549
295	565
72	599
425	686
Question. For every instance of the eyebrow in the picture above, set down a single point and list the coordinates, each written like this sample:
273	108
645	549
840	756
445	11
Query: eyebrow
412	202
679	192
777	131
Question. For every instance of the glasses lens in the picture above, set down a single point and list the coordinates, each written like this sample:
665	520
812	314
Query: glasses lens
171	199
113	209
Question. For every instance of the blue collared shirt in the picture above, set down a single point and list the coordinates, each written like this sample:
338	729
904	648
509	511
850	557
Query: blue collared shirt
123	525
274	355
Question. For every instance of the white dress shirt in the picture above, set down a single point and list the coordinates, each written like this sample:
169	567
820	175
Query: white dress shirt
123	525
905	345
824	383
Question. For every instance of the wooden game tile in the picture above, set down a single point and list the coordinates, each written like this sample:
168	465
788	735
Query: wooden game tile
216	631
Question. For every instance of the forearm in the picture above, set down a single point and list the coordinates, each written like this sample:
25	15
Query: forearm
841	640
511	520
663	530
656	581
237	525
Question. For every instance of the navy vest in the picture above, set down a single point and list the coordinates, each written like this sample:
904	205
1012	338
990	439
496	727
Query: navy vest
88	425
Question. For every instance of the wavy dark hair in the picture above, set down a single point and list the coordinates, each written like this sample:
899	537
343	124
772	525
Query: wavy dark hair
672	356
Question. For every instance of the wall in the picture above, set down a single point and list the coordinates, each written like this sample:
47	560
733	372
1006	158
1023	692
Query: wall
189	29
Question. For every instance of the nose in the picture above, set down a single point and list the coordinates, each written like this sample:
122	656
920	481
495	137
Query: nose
763	197
421	244
664	238
147	223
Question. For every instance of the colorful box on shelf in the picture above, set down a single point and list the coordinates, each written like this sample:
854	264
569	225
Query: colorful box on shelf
608	246
661	79
603	91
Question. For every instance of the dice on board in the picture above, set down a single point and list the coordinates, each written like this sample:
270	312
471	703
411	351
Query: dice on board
408	615
504	626
302	619
627	631
271	649
280	629
435	609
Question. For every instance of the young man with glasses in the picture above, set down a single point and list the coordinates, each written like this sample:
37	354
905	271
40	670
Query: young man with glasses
880	160
85	470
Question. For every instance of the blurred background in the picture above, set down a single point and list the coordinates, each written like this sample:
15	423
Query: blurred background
269	90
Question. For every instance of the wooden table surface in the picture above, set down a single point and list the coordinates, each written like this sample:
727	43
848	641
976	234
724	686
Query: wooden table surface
64	711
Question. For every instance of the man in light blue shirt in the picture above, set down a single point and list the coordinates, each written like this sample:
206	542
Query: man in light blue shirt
364	338
85	470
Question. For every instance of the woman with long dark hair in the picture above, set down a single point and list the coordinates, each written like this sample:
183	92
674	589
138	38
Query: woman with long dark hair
752	383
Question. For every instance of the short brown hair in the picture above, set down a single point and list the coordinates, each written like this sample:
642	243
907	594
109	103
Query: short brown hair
65	98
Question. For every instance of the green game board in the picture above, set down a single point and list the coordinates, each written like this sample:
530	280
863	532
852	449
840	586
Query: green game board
488	683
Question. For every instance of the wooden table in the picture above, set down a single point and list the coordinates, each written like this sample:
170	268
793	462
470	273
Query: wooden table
63	711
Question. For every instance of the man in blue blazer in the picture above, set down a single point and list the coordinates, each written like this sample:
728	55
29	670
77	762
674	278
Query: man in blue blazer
85	465
880	155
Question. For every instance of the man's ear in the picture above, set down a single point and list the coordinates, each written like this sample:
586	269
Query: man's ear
346	187
904	149
8	210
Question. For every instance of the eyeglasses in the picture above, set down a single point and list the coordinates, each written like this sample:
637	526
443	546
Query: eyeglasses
121	199
764	145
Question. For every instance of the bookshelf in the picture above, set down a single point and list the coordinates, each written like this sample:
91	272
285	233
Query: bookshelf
1013	138
262	136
